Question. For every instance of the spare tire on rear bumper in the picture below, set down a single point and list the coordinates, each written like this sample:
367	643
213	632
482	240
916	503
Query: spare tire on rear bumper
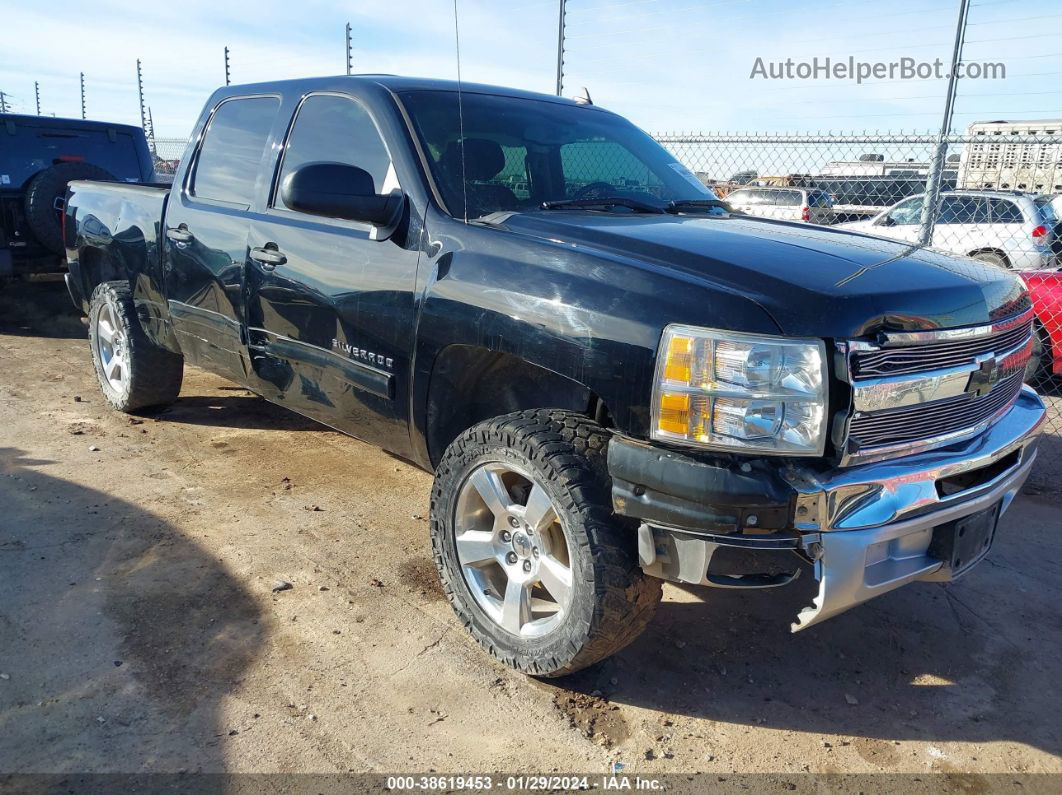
42	192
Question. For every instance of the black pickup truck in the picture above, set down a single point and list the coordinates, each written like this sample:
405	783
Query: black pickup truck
39	156
615	379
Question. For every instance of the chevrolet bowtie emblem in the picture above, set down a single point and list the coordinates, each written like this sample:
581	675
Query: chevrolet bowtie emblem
984	377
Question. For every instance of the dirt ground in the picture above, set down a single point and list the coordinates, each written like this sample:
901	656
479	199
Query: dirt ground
139	630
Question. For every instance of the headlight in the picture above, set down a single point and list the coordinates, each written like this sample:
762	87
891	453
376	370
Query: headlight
740	392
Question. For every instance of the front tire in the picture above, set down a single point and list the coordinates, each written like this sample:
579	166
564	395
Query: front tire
531	557
133	372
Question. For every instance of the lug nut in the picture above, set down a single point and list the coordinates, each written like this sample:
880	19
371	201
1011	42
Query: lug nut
507	536
511	557
513	521
534	551
527	565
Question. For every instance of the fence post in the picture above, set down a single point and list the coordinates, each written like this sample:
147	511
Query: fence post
936	168
37	94
140	91
560	49
226	66
350	56
83	95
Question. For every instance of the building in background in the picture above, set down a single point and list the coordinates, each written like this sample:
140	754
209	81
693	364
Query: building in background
996	161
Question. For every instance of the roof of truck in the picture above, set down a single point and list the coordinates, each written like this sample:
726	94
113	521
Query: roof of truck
399	83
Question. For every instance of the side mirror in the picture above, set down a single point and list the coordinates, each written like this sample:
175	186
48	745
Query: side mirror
886	220
337	190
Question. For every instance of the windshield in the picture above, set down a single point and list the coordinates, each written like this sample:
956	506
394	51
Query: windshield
519	153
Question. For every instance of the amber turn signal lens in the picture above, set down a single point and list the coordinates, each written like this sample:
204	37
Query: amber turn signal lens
679	360
674	413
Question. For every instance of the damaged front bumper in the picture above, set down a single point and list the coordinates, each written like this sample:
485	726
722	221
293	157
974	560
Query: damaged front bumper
866	529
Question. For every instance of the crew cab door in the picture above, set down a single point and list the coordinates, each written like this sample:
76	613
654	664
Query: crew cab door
206	235
331	310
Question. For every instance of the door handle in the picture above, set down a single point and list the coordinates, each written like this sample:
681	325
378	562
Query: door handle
180	234
268	257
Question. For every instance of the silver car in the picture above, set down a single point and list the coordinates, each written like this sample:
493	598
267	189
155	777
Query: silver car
785	204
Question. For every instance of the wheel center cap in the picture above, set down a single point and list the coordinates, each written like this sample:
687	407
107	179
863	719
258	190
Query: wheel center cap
521	545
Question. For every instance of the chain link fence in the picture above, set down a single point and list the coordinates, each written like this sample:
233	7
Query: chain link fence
167	152
993	194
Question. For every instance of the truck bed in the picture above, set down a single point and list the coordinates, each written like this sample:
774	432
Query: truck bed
112	230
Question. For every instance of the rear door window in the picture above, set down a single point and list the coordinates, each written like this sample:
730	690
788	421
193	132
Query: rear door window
1004	211
232	149
963	210
789	198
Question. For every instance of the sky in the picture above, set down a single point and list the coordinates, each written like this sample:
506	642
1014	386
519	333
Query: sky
669	65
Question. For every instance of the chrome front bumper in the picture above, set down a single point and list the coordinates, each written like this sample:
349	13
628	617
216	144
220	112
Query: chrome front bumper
869	528
866	529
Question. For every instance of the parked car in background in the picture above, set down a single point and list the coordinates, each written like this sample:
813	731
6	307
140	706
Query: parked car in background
784	204
39	156
1045	287
858	198
1013	230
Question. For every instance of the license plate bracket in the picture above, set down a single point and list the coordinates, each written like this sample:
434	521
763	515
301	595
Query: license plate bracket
962	543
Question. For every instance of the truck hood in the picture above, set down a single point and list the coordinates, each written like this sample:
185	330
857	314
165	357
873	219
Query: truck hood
814	281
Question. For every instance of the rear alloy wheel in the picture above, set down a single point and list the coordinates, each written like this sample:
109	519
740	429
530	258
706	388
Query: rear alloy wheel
530	555
133	372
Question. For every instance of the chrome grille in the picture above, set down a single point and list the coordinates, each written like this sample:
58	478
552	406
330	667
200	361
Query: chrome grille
914	359
916	390
930	420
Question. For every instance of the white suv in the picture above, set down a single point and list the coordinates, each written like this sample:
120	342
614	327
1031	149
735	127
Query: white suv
1014	230
785	204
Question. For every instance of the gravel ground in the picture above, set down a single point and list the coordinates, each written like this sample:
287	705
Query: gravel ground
139	628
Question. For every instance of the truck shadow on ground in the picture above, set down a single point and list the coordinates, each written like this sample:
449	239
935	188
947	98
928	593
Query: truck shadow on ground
39	307
120	636
246	411
971	661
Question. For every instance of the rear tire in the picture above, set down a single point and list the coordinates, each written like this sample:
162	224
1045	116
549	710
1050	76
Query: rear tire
133	372
550	535
44	190
992	258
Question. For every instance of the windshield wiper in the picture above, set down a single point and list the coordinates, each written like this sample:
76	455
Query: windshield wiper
606	201
679	205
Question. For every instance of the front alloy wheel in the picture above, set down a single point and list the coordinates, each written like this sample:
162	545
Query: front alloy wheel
513	551
530	555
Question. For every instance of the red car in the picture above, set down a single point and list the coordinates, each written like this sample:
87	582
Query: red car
1046	290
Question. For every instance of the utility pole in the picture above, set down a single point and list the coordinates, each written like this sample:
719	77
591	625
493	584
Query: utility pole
3	102
936	168
83	95
560	49
140	91
226	66
37	93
